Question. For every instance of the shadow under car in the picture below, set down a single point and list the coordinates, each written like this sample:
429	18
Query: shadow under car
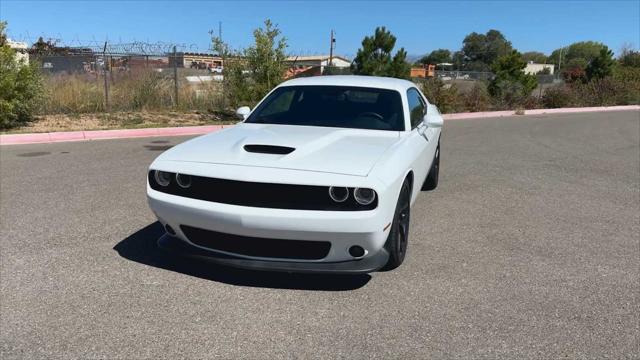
142	247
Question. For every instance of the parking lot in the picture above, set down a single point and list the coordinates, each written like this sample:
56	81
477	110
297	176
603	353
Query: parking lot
528	248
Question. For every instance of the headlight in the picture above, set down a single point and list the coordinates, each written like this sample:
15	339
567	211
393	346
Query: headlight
338	194
184	181
163	178
364	196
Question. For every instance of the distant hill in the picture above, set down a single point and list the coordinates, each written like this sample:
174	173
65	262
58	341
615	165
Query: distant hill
413	58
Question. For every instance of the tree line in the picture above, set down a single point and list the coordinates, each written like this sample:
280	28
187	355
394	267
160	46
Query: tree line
592	75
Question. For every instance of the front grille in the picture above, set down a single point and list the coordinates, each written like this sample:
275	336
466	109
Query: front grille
264	195
257	247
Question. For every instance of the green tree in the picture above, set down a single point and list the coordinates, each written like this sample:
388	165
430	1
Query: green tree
535	56
41	47
251	73
374	58
458	60
265	59
601	66
576	55
510	85
481	50
436	57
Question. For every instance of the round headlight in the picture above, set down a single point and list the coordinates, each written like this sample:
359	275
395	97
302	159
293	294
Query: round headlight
184	181
163	178
338	194
364	196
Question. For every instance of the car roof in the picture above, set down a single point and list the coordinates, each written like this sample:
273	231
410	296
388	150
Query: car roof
377	82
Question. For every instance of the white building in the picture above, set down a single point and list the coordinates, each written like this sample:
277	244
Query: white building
318	60
21	48
533	68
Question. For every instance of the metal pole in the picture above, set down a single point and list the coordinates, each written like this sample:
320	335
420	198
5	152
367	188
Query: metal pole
331	40
222	55
560	60
175	78
106	79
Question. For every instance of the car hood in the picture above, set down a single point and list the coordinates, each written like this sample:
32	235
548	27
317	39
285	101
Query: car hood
311	148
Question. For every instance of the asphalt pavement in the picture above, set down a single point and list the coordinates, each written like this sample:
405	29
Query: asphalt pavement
529	248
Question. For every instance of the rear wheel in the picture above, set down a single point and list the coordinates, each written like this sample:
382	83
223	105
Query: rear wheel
431	182
398	239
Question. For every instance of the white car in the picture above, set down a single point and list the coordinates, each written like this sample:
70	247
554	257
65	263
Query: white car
216	70
319	177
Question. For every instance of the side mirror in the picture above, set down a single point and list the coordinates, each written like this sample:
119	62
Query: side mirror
433	119
243	112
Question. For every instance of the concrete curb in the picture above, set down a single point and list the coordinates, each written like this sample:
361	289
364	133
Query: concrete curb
490	114
14	139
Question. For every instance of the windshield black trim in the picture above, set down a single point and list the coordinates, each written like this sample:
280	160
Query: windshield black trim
252	119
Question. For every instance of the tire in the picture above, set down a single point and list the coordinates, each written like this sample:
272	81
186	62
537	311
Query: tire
398	238
431	182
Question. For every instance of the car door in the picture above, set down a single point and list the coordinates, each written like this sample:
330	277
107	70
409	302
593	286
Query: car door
419	138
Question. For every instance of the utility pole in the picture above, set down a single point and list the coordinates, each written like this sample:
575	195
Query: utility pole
332	43
560	60
175	77
222	55
106	79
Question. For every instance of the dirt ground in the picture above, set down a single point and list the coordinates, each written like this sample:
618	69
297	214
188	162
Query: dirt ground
121	120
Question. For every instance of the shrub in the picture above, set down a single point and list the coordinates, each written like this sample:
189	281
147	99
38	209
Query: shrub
20	87
477	99
603	92
574	74
508	94
445	96
558	97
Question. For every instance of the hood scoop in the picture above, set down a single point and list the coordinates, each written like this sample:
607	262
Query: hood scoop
268	149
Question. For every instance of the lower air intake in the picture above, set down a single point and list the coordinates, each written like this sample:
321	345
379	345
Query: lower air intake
257	247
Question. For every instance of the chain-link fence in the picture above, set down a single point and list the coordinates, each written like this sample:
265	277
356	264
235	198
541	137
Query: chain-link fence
85	81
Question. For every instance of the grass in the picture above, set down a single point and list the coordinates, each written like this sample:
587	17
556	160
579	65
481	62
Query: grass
137	99
139	90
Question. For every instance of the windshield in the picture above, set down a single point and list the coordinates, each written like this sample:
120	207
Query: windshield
332	106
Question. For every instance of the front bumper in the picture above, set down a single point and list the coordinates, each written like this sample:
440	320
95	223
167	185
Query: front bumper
364	265
343	229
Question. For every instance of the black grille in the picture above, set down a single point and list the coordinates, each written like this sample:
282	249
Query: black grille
257	247
265	195
269	149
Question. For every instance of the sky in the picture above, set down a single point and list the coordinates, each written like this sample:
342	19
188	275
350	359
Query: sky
420	26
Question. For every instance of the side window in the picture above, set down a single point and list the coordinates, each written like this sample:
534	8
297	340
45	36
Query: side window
416	107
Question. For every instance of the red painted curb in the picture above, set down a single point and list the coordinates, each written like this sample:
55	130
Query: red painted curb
14	139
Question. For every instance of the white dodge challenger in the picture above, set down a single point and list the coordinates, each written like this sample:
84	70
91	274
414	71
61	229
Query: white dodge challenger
319	177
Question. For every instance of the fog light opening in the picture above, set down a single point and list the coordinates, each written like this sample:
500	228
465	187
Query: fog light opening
169	230
357	251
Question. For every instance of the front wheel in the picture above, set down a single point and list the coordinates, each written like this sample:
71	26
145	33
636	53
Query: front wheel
398	239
